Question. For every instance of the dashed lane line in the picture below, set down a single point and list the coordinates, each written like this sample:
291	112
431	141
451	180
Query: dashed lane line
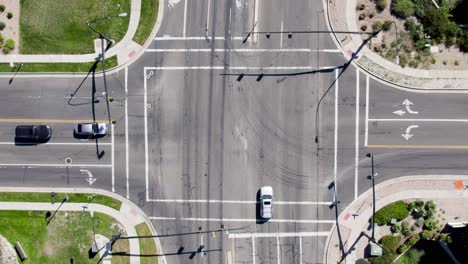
196	38
61	144
55	165
417	147
417	120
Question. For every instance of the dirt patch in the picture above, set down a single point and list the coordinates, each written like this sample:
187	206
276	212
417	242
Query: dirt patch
11	31
7	252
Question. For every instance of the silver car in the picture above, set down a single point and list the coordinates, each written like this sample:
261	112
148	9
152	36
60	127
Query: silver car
266	199
91	130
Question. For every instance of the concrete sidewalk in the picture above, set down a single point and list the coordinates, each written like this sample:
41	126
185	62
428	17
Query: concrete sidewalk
126	49
354	219
129	214
341	16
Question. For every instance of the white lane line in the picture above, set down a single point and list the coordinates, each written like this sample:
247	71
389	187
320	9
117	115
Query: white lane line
60	144
253	250
300	248
162	218
253	220
127	169
281	36
237	202
335	155
185	17
256	6
196	38
278	252
176	68
230	24
145	117
241	50
113	158
356	146
366	133
207	29
418	120
60	165
278	234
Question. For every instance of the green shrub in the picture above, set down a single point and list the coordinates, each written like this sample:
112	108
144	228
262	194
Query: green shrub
412	240
430	224
363	27
456	63
444	62
360	7
371	15
419	222
377	26
448	239
395	210
414	228
1	38
361	261
8	46
387	25
415	255
2	25
362	16
405	224
406	231
395	228
426	234
385	259
428	214
9	15
403	60
402	248
390	243
403	8
413	63
2	8
430	205
438	25
381	5
417	203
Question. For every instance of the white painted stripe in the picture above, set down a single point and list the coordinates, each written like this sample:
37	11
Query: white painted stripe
253	250
240	68
356	145
240	50
196	38
145	117
300	249
162	218
278	252
61	144
278	234
257	8
237	202
127	169
185	17
253	220
335	154
113	158
419	120
281	36
60	165
366	133
208	19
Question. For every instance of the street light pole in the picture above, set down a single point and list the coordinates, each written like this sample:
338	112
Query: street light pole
103	52
371	177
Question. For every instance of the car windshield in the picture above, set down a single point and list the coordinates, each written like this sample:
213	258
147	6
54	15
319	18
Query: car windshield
266	196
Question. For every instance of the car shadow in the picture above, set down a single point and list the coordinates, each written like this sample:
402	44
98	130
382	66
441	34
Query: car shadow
26	142
86	137
259	220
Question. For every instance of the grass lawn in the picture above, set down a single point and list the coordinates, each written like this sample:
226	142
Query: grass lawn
59	67
59	27
45	197
68	236
147	245
148	16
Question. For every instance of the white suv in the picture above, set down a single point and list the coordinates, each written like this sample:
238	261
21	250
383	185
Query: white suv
266	199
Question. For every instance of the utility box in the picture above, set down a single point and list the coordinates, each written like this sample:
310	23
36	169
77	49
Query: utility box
375	250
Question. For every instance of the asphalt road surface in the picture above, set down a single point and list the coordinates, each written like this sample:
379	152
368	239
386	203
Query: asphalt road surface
207	116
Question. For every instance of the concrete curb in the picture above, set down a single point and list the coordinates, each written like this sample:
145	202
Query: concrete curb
393	197
125	201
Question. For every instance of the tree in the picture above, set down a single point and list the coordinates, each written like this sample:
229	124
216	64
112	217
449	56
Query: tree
403	8
381	5
430	224
438	25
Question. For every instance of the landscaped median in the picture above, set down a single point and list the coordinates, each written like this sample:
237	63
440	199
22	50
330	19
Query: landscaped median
62	227
58	67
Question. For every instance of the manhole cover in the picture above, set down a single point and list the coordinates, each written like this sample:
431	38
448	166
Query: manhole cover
68	160
148	105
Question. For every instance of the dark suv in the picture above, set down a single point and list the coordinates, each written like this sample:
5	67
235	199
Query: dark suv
33	133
